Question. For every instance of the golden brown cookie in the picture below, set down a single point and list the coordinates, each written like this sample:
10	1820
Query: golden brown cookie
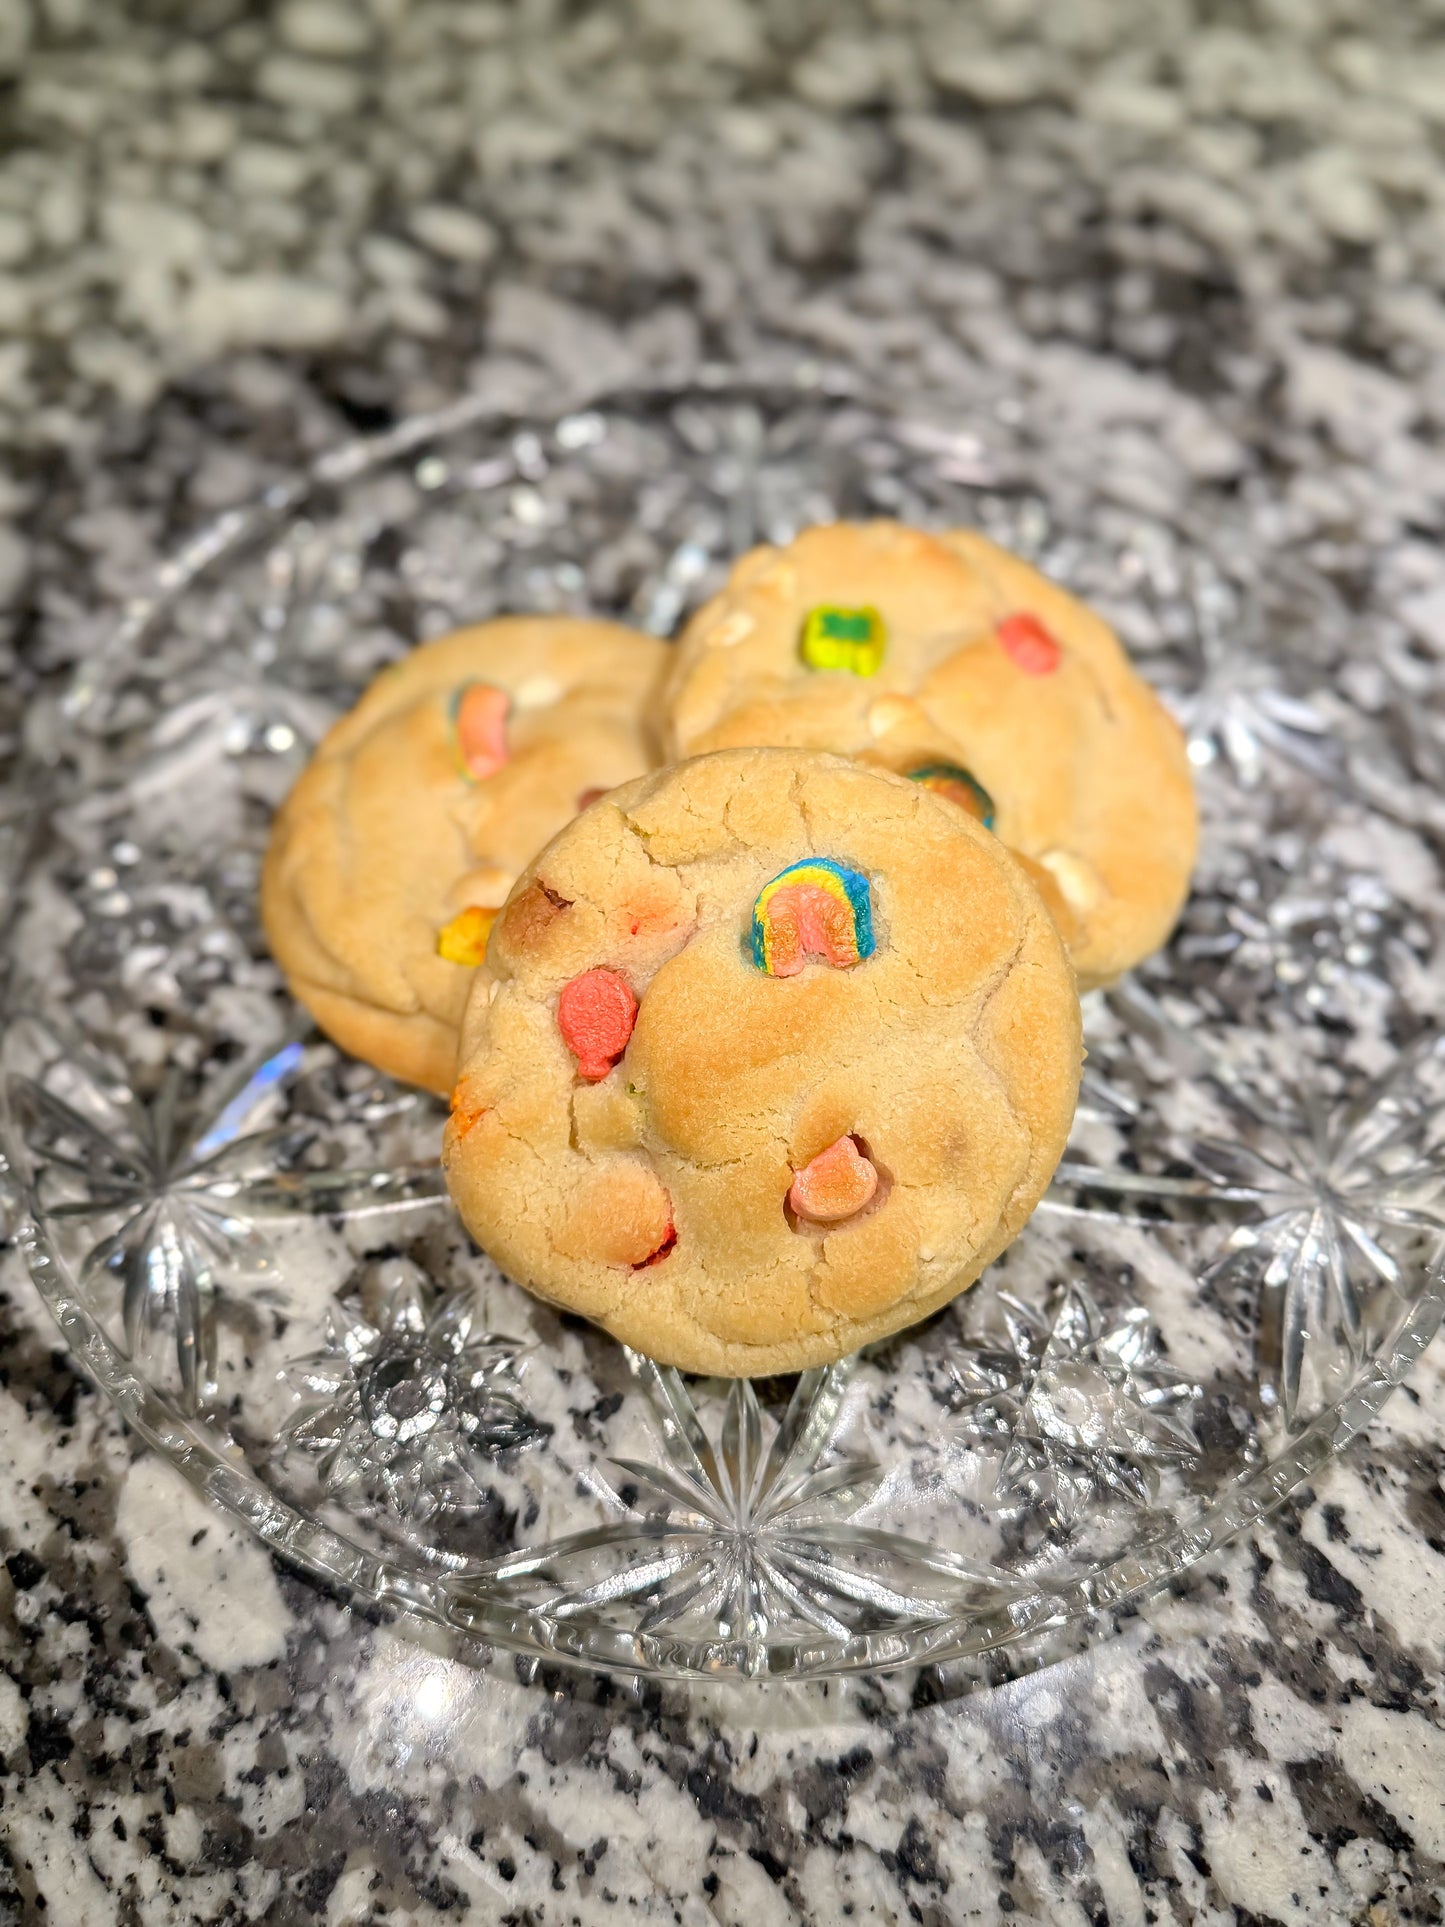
405	832
945	658
770	1055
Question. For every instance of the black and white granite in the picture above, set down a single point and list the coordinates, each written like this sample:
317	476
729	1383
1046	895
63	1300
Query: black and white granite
1205	244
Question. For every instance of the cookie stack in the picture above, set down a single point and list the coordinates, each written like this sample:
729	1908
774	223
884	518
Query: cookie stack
750	965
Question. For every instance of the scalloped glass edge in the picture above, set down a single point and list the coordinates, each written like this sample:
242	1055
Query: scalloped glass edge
463	1602
228	530
463	1605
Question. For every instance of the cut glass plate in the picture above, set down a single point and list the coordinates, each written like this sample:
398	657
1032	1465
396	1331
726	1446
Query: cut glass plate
243	1236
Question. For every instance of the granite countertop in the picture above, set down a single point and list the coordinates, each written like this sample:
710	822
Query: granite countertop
1211	240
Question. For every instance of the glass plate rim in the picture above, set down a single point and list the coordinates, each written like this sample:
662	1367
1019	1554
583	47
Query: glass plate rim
455	1600
458	1600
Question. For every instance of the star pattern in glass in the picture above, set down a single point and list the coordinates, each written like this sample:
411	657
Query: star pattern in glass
174	1186
745	1545
410	1411
1078	1405
1331	1201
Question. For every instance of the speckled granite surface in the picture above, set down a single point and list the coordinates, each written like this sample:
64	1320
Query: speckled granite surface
1208	247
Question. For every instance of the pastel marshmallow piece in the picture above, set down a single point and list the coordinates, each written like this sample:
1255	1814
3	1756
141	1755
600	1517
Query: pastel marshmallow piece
618	1213
464	940
834	1185
852	641
1028	644
481	722
664	1245
595	1014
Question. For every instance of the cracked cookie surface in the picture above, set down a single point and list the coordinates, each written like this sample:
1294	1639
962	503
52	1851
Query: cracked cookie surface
946	658
403	835
746	1157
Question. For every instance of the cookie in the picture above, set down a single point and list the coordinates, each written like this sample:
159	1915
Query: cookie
770	1055
392	854
948	660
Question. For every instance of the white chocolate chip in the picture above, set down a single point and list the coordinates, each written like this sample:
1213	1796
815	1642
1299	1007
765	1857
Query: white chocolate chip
892	712
1078	881
536	692
902	541
486	887
492	989
731	630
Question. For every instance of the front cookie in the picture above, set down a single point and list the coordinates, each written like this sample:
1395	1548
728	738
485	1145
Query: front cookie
771	1054
399	843
951	661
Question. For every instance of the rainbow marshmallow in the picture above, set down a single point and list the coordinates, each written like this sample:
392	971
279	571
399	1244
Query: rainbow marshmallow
959	786
816	911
